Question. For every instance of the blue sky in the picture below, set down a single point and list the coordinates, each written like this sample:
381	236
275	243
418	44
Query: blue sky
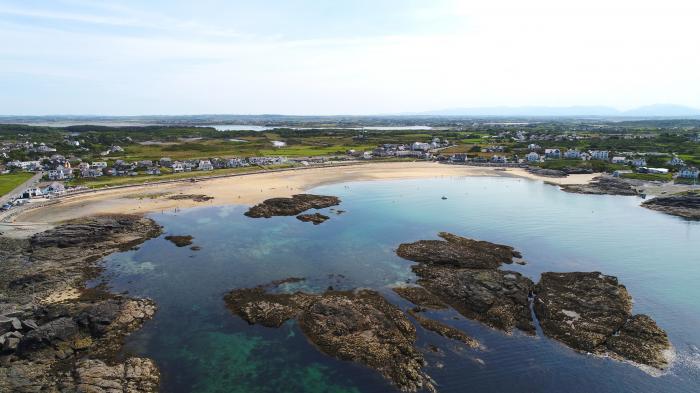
343	57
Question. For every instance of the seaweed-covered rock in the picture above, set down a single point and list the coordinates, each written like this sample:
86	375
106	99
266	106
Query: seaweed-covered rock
592	312
686	205
359	326
135	375
180	240
291	206
495	297
444	330
420	297
458	251
315	218
602	185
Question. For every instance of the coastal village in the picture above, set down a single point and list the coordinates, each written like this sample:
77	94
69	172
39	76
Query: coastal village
57	172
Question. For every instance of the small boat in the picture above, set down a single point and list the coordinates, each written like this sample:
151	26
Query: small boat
444	197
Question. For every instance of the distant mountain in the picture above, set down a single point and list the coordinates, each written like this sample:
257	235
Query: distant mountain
660	110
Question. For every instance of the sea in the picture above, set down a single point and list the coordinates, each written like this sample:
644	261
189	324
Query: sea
200	346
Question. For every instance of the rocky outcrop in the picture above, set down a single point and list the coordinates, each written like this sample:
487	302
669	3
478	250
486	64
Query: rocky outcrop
135	375
443	329
592	312
547	172
602	185
420	297
359	326
457	251
315	218
291	206
42	287
191	197
686	205
495	297
180	240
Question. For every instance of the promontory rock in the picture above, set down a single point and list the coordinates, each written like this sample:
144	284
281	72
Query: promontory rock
457	251
592	312
602	185
359	326
686	205
63	324
291	206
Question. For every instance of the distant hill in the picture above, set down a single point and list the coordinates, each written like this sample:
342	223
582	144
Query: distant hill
661	110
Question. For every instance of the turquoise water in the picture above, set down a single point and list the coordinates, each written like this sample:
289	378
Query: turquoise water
201	347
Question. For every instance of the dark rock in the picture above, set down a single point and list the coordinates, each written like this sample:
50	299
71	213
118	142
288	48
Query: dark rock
444	330
420	297
10	344
98	317
686	205
62	329
356	326
30	324
602	185
495	297
193	197
315	218
291	206
547	172
458	251
642	341
195	248
9	323
180	241
592	312
135	375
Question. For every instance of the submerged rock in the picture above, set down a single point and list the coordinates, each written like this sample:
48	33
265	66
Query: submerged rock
443	329
359	326
458	251
291	206
602	185
180	241
495	297
316	218
593	312
686	205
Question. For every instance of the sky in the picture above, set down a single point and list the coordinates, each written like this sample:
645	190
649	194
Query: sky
309	57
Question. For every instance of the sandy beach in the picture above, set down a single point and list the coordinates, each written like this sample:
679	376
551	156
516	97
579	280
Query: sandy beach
246	189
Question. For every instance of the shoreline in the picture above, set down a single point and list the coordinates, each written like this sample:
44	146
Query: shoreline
242	189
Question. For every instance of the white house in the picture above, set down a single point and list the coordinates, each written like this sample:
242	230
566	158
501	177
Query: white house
689	172
600	155
675	161
638	162
205	165
99	165
572	154
619	160
60	173
177	167
153	171
552	153
420	146
534	146
533	157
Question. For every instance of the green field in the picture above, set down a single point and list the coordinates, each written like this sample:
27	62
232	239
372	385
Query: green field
10	181
649	176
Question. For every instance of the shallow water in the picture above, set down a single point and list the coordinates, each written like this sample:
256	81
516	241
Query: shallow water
200	346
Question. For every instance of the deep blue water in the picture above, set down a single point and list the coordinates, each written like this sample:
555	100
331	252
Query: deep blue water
201	347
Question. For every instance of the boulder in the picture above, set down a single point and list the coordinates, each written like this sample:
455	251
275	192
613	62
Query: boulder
315	218
686	205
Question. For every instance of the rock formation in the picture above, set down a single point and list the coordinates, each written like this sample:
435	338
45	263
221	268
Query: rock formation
48	320
602	185
592	312
291	206
359	326
686	205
